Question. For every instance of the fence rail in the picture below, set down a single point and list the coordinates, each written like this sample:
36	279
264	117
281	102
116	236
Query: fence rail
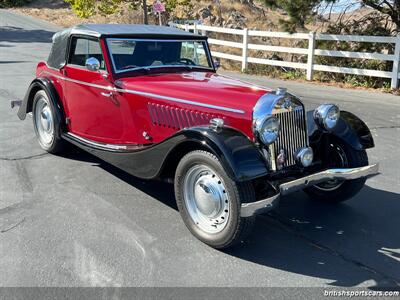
310	51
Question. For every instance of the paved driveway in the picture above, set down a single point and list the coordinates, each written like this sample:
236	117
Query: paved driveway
74	220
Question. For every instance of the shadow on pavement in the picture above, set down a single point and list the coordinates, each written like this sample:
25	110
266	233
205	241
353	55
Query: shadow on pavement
160	190
346	232
363	232
19	35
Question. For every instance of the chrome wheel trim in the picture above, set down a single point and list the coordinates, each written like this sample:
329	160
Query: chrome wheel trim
44	124
334	184
206	199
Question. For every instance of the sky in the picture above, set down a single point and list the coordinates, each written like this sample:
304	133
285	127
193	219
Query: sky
340	5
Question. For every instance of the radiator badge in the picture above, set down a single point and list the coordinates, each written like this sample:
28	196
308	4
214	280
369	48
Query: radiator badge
281	159
288	104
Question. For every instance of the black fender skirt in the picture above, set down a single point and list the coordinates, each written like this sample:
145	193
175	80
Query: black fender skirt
350	129
241	159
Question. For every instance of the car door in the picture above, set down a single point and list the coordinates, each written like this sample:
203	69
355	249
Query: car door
93	110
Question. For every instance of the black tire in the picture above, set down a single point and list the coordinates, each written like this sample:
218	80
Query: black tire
56	144
237	228
345	189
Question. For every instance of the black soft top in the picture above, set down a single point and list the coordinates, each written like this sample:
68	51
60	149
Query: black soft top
58	53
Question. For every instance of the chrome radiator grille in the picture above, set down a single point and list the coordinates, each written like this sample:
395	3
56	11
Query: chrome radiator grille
292	136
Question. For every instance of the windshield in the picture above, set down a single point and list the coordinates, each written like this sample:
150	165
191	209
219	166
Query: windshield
133	54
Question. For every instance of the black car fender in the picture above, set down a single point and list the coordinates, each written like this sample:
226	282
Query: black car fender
45	84
241	159
350	129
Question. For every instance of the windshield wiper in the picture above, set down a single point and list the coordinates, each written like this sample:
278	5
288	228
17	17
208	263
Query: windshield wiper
150	68
133	68
128	67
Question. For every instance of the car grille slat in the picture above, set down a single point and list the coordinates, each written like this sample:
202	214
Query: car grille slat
293	134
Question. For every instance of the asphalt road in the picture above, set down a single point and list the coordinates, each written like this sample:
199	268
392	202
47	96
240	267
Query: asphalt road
76	221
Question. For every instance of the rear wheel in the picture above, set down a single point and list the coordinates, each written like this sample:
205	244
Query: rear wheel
45	125
341	155
210	202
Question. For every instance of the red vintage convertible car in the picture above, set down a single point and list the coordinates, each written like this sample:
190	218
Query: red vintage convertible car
148	100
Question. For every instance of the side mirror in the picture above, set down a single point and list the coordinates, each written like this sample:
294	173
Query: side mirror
216	63
92	64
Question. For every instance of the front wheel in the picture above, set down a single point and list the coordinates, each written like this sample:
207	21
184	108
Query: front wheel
209	201
341	155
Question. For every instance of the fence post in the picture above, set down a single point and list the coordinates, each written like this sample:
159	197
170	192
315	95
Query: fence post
203	32
244	50
395	71
195	30
186	27
310	58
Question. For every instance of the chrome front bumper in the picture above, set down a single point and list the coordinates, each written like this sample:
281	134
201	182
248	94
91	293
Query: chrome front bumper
249	209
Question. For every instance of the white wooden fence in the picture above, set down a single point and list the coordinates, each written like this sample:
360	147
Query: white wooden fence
311	51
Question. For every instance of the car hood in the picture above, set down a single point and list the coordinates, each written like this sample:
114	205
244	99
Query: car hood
203	87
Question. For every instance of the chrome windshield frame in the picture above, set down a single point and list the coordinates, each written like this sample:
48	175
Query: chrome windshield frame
204	42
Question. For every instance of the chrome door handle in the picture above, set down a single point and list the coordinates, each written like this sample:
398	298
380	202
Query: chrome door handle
106	94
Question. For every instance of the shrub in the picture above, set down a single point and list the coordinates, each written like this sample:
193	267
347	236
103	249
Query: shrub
82	8
12	3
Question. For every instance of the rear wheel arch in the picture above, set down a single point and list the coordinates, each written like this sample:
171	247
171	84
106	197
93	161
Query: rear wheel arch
36	88
44	84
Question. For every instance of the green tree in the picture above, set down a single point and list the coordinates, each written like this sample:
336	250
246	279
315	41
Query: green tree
386	7
83	8
298	11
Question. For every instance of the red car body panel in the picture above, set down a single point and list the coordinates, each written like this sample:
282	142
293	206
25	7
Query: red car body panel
199	87
140	109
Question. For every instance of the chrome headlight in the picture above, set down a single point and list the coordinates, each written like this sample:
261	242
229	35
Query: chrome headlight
326	116
268	130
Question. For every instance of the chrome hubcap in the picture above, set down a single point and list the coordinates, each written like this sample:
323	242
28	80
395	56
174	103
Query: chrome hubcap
45	119
44	122
206	199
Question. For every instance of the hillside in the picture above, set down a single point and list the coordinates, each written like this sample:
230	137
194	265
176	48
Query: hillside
229	13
